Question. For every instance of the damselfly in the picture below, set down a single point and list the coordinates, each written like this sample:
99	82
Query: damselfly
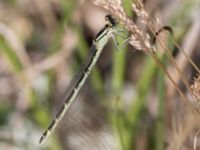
98	44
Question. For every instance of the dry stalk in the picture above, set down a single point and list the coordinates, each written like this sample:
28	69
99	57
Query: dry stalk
196	89
138	8
195	140
14	42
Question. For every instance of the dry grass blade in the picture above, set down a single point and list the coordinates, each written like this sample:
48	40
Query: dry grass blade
195	140
152	24
140	11
188	47
13	40
181	129
196	90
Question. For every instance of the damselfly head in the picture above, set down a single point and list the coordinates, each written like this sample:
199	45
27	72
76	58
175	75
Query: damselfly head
111	21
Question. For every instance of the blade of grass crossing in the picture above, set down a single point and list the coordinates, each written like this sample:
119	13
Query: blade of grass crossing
160	123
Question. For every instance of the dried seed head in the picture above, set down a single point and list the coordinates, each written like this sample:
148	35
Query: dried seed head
138	8
196	89
138	38
144	18
135	42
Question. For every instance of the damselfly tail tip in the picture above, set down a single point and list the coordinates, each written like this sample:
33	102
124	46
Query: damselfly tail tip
42	138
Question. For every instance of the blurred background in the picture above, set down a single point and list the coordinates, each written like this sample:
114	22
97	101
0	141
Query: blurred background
127	103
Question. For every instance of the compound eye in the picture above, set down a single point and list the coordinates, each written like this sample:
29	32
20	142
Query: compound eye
106	18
